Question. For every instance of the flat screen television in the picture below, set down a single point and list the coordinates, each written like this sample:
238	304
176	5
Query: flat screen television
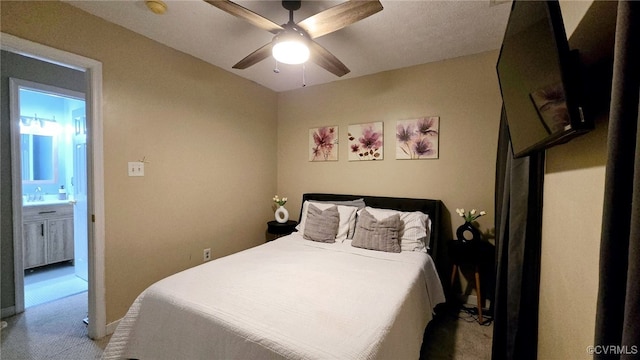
539	79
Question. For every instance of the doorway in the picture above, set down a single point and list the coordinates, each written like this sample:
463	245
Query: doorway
97	327
52	161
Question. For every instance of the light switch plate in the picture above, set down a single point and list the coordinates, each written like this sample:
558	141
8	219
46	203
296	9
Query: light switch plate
136	168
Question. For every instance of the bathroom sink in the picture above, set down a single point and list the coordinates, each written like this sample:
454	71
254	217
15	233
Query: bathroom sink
46	202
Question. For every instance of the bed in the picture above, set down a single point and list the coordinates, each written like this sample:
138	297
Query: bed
298	298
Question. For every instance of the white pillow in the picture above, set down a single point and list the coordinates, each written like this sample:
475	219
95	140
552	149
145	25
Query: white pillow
415	227
347	218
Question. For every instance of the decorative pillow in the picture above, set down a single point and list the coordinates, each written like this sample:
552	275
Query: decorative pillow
347	218
358	203
414	227
322	225
376	234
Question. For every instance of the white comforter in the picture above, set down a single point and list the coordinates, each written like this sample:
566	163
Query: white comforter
290	298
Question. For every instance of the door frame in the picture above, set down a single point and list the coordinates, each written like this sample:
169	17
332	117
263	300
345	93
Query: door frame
15	84
97	327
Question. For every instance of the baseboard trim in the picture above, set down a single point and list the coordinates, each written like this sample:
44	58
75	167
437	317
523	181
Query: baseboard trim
472	300
111	327
8	311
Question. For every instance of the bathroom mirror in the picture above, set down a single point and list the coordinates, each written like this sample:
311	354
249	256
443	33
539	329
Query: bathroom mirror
39	158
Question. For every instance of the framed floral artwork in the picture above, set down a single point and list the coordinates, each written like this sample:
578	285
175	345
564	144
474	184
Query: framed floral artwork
323	143
417	138
366	141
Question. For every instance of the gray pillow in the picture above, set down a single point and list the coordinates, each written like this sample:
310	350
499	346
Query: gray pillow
381	235
359	203
322	226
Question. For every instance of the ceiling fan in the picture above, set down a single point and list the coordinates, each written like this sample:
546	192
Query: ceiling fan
300	35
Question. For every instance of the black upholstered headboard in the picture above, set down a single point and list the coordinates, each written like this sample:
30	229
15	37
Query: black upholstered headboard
433	208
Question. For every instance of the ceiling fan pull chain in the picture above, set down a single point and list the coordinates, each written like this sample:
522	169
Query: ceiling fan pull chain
304	82
276	70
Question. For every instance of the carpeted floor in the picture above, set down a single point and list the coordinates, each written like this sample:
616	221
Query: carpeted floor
55	331
456	335
51	331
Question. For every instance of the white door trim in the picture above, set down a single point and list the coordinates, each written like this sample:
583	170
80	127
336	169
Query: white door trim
16	194
93	69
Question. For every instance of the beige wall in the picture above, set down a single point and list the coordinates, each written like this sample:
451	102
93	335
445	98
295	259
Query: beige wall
210	138
572	217
463	92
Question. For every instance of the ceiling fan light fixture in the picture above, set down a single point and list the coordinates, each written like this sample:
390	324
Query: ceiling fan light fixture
305	31
290	47
291	52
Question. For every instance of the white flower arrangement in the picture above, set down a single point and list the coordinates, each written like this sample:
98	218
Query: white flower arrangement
278	201
471	215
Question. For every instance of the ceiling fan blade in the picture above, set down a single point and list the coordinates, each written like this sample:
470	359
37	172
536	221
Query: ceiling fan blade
255	57
246	14
339	16
327	60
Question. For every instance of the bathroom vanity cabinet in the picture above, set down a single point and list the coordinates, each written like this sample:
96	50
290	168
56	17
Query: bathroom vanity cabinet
47	234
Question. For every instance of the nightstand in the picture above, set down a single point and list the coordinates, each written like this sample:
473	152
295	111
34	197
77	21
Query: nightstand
276	229
476	253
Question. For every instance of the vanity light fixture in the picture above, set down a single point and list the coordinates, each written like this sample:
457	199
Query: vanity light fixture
36	121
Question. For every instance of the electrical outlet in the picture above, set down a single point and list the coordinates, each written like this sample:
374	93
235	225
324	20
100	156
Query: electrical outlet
206	254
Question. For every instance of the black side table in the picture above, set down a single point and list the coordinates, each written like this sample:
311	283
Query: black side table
476	253
276	229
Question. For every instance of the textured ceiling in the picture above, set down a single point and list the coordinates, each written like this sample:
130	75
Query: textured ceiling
405	33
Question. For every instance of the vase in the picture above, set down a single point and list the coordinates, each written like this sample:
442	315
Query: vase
282	215
468	232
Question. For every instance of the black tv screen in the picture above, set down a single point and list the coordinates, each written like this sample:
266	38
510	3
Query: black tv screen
538	78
